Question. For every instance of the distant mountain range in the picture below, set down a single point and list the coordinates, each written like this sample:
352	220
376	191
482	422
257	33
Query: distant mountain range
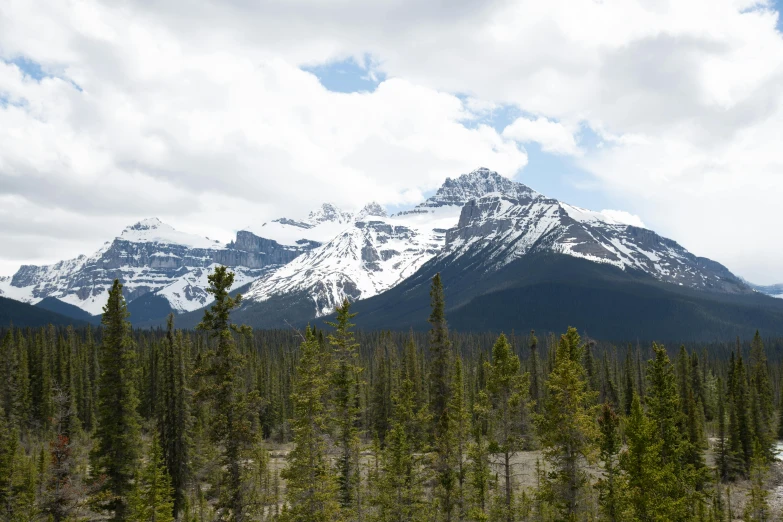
510	258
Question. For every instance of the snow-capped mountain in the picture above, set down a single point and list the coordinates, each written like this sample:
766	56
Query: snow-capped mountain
480	221
370	254
483	215
149	256
500	227
373	252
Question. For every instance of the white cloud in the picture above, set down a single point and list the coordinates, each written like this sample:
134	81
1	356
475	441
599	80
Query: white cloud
553	136
621	216
686	96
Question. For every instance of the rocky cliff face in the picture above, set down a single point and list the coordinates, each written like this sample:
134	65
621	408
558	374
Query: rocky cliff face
148	257
501	227
332	254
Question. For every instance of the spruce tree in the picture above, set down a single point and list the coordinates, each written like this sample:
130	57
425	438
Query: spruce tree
402	476
231	423
763	407
479	470
311	484
535	387
119	424
174	420
566	428
646	478
610	485
440	395
152	499
346	381
508	393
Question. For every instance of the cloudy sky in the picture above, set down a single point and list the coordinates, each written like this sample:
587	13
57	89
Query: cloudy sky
216	114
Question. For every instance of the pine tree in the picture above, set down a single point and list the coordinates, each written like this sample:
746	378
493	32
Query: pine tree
610	485
757	507
441	394
507	389
629	384
566	428
400	493
231	423
152	499
677	455
763	408
346	381
442	356
535	387
460	419
722	446
646	478
312	489
479	470
174	420
119	424
65	492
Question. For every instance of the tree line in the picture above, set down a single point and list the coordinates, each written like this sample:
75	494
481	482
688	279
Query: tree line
168	424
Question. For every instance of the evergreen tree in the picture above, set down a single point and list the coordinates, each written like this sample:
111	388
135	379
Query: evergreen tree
535	387
757	507
312	489
119	424
175	421
763	407
479	470
507	389
566	429
231	424
647	494
441	377
722	447
629	383
346	382
400	493
442	357
610	485
152	498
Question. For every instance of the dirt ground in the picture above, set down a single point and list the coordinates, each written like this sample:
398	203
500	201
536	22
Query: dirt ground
525	476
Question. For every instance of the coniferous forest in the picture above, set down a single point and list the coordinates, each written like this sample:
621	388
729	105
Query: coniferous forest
333	424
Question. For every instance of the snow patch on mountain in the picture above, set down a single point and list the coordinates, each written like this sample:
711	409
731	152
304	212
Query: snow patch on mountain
320	226
374	254
153	230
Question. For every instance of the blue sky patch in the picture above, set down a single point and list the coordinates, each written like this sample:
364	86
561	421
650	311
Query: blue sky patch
348	75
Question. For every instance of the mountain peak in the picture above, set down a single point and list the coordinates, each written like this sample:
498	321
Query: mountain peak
475	184
329	212
153	230
152	223
372	209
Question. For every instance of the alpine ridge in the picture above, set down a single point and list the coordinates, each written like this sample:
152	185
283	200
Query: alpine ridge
295	270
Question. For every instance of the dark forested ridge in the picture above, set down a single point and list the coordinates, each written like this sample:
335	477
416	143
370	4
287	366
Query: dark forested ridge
23	314
327	423
544	292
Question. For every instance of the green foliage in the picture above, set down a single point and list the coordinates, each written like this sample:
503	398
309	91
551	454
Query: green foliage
346	382
312	488
566	429
152	497
118	435
231	423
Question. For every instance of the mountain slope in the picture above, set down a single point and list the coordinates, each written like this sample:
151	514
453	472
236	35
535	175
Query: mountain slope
549	292
499	222
148	257
25	315
68	310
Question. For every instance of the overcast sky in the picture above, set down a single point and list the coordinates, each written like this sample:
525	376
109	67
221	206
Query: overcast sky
216	114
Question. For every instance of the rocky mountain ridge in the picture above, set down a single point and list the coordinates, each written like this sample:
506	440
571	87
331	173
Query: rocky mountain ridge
480	219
